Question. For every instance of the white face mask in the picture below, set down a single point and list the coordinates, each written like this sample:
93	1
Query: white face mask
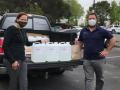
92	22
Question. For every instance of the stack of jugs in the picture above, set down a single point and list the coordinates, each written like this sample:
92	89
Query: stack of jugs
51	52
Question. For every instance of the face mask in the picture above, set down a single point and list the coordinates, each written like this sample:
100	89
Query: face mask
22	24
92	22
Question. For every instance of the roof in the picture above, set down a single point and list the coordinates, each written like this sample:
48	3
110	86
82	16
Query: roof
15	14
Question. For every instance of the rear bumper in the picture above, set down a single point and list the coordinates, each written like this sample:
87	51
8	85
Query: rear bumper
58	64
46	65
3	69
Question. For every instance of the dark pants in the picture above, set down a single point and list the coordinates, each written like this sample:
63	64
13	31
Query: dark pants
18	78
91	67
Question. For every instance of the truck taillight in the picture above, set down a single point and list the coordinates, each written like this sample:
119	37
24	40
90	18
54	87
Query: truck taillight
1	44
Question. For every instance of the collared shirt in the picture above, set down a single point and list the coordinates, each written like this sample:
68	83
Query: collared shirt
94	42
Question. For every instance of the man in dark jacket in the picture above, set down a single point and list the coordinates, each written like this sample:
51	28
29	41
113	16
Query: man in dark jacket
14	40
93	38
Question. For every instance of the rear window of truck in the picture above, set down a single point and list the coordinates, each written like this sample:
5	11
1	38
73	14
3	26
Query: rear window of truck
33	23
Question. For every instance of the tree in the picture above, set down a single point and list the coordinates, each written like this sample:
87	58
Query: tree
76	11
114	13
54	9
35	9
102	9
119	14
4	7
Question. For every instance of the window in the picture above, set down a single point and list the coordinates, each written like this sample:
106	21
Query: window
36	23
29	24
11	21
8	22
40	24
115	26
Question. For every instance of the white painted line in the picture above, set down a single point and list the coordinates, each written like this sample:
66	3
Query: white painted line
114	57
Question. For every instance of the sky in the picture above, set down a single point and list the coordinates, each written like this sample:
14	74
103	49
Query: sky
87	3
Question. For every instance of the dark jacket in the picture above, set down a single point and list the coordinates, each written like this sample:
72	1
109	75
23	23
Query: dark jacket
14	41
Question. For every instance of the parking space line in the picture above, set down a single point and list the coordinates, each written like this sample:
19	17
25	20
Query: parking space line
114	57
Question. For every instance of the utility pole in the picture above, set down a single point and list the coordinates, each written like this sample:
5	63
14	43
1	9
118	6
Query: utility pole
93	6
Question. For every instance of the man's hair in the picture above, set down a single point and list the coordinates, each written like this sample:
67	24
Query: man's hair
20	14
93	13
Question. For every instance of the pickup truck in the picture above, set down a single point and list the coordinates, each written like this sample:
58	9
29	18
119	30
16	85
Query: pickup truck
39	25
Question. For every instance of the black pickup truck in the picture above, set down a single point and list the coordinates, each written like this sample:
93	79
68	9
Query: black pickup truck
39	25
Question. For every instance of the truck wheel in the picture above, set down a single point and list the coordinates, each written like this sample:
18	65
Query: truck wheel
57	71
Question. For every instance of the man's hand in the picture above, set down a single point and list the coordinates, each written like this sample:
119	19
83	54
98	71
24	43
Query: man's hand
15	65
110	45
104	53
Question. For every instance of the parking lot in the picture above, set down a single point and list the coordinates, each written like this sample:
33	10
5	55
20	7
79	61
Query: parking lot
74	80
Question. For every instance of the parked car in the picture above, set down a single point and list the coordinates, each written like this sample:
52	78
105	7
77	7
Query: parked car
71	31
114	29
56	28
39	25
77	27
104	27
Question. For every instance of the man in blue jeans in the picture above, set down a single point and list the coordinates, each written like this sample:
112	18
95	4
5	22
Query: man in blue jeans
93	38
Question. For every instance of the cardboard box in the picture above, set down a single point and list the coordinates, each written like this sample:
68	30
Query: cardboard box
76	54
28	50
37	37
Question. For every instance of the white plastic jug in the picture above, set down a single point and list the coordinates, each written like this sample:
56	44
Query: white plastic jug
38	52
52	52
64	51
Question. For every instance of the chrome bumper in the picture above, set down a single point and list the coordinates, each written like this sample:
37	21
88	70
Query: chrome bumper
3	70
